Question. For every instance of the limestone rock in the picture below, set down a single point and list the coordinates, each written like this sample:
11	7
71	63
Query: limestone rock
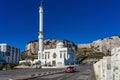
32	46
107	44
84	46
103	45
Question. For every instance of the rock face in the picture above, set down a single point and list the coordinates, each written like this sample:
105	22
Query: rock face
102	45
84	46
105	45
32	46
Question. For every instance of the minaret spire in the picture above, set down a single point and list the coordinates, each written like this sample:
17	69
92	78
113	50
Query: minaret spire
41	2
41	48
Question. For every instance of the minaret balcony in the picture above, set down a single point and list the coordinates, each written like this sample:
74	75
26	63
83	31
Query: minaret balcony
40	37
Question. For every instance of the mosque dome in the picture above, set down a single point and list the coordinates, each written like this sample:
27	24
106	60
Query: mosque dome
60	45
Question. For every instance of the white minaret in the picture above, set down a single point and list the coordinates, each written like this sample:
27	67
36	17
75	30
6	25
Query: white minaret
40	52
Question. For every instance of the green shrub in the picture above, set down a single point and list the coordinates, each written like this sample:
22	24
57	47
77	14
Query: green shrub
11	66
1	66
119	36
45	65
49	65
26	63
38	63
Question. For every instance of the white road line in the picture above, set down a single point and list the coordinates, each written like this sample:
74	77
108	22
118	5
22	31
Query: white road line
52	76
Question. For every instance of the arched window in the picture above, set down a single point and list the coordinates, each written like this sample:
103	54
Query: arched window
54	55
60	54
64	55
42	56
48	55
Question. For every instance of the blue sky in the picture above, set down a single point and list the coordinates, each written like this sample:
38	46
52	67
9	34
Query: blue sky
80	21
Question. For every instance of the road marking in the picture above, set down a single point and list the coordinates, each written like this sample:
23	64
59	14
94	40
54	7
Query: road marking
52	76
83	77
60	79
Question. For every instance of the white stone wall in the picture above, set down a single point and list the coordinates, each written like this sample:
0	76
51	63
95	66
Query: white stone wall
101	69
108	68
98	69
116	69
104	64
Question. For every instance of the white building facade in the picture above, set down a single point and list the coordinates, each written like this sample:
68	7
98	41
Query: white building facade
2	58
10	53
60	56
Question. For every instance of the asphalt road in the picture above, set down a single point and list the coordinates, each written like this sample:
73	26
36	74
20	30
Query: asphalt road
8	74
84	72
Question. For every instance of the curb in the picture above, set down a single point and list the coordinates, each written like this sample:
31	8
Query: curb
32	76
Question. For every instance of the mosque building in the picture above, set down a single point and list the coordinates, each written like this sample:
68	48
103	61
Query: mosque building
60	56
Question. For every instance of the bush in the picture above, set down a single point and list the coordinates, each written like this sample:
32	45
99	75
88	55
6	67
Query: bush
119	36
11	66
26	63
1	66
45	65
49	65
38	63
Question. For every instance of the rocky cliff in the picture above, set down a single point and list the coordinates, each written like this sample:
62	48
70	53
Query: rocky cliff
79	46
32	46
105	45
102	45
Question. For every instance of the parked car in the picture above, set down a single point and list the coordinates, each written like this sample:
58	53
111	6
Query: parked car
70	69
